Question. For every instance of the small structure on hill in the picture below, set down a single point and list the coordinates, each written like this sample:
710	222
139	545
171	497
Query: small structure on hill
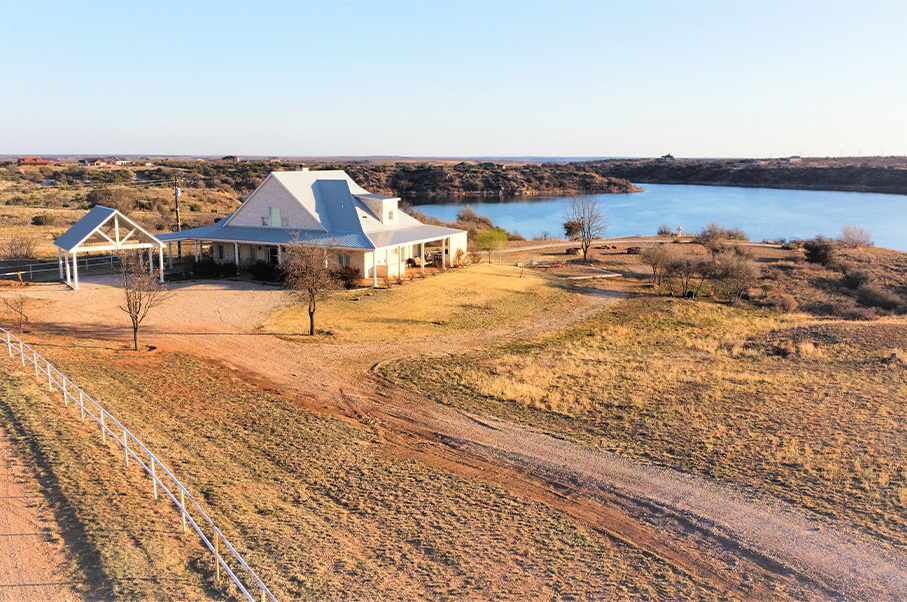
104	230
27	161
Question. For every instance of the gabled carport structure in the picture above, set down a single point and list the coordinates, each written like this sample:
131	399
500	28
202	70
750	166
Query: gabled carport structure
104	229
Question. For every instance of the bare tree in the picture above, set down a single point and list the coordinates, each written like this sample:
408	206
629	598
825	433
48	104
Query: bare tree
18	247
736	274
657	257
855	236
308	275
142	289
585	221
16	304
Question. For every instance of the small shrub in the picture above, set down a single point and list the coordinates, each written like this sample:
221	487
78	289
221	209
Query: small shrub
783	302
870	295
819	250
18	247
857	277
855	236
665	230
266	272
44	219
195	207
348	276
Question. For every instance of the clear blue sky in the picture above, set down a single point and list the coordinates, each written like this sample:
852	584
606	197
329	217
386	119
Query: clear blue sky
448	79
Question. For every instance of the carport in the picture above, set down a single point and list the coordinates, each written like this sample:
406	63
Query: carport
104	229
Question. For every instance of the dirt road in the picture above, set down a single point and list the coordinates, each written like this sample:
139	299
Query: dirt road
30	560
753	548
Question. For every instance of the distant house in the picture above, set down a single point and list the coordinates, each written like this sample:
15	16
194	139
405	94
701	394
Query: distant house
122	162
669	158
793	159
92	162
28	161
324	209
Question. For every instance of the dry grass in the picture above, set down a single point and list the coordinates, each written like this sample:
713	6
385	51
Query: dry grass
483	296
811	412
322	509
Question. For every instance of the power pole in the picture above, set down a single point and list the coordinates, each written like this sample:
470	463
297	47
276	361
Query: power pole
179	222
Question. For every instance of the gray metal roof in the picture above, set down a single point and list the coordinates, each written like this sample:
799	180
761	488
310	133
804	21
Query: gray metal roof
403	236
89	224
270	236
84	228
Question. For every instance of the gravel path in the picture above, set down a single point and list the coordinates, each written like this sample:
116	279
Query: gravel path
748	545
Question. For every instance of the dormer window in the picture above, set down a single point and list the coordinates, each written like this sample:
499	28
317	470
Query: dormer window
390	215
276	222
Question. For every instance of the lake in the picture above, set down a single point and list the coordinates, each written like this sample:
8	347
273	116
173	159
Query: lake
763	213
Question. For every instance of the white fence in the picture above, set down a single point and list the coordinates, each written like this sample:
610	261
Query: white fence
132	447
50	270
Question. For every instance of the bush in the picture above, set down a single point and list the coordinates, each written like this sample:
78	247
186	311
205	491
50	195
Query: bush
855	236
857	277
665	230
819	250
18	247
870	295
195	207
44	219
348	276
208	268
266	272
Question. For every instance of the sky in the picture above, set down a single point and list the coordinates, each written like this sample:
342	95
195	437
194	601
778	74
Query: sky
444	79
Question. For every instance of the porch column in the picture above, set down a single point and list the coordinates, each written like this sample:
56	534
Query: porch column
170	255
375	268
196	250
279	254
60	261
399	262
68	274
160	262
151	261
75	271
236	252
422	258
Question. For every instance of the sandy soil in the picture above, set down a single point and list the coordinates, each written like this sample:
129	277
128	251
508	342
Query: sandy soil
753	548
30	559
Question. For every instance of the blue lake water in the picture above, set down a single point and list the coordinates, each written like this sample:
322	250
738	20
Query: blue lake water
762	213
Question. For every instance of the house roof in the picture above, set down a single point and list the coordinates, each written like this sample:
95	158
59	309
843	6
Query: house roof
99	215
338	205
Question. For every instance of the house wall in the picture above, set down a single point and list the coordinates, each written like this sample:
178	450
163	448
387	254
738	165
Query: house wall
272	194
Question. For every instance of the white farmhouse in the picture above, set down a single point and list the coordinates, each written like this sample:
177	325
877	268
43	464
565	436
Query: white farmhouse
327	209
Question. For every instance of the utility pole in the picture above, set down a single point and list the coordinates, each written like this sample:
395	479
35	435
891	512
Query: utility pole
179	222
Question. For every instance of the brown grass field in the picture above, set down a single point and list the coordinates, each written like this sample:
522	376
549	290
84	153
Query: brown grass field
801	406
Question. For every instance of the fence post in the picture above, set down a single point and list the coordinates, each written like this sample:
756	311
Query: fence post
65	396
153	474
49	385
126	446
35	359
82	407
183	506
22	353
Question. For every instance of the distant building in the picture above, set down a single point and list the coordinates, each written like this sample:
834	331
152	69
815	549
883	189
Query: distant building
92	162
34	161
669	158
793	159
122	162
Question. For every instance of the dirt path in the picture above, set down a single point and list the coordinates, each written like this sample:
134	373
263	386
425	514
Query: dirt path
747	546
29	560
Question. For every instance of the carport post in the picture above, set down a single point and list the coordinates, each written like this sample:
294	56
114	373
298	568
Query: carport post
236	253
443	252
60	261
68	275
422	259
75	271
170	255
151	261
160	261
400	263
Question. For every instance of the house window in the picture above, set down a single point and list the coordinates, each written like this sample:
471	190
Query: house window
390	215
343	259
285	222
220	252
264	221
275	217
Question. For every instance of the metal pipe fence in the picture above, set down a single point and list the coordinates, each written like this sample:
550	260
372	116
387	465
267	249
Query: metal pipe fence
50	270
133	448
